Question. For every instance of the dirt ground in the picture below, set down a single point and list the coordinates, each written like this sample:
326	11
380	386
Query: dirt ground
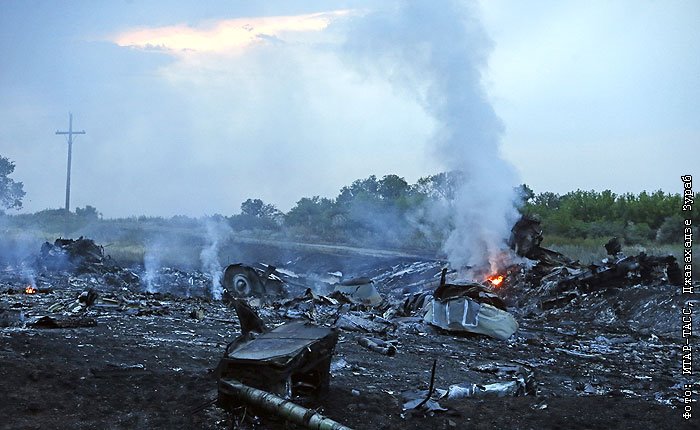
151	364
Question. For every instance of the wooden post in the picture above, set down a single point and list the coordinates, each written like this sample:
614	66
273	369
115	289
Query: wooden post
70	134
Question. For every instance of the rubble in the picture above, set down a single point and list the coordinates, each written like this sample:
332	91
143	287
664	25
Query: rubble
563	337
422	400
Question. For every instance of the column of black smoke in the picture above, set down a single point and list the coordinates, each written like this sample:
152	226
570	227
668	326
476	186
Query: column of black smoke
437	52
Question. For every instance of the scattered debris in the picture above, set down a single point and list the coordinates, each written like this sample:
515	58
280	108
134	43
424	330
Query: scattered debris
357	322
197	313
11	317
614	246
88	297
378	345
588	330
520	382
249	319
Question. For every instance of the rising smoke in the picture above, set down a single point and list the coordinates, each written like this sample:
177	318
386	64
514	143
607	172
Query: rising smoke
436	52
195	249
152	264
217	232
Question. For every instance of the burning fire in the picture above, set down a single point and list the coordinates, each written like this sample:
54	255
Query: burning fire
29	290
495	280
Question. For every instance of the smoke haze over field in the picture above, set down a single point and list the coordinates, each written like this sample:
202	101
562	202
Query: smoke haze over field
191	109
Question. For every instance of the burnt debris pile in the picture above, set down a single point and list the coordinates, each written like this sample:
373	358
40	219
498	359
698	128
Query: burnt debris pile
619	290
80	256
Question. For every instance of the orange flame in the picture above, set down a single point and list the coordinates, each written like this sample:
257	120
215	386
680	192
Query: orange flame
496	280
29	290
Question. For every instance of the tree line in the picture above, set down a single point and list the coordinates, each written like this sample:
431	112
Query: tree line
637	218
389	211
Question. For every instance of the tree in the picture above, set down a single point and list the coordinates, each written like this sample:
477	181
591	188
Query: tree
314	213
88	212
525	193
259	209
11	192
441	186
392	187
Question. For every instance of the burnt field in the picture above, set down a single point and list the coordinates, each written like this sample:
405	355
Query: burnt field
87	346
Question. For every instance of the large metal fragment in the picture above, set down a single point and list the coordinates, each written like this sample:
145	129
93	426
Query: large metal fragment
466	315
470	308
291	359
245	281
360	291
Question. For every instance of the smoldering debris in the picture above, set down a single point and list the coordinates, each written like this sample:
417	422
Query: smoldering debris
564	330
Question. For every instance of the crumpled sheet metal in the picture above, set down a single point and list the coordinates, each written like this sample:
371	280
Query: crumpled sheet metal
364	294
465	315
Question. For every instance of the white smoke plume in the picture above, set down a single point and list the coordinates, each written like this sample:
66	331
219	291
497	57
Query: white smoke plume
437	52
217	232
151	265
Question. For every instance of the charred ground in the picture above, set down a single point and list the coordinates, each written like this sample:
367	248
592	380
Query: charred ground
605	358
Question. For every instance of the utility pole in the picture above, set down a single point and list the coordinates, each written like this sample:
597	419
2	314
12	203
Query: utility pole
70	134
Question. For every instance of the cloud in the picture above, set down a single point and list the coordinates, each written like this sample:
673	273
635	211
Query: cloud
225	36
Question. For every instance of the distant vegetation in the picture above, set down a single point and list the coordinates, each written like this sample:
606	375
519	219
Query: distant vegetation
391	212
637	218
379	212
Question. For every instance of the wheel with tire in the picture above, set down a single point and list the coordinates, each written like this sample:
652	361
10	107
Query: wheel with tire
242	281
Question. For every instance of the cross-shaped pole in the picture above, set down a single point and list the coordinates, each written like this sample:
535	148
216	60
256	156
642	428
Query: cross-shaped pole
70	134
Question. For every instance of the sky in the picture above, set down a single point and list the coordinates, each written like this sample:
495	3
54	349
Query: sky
192	107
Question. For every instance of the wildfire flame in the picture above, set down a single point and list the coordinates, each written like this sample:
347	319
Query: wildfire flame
495	280
29	290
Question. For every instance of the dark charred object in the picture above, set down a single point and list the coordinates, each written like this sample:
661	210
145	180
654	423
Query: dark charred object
526	236
88	297
614	246
292	359
250	321
80	255
357	281
626	271
377	345
64	322
246	281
